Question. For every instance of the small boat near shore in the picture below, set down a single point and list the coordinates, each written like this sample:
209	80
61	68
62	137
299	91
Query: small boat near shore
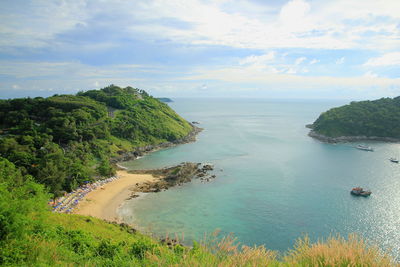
394	160
358	191
365	148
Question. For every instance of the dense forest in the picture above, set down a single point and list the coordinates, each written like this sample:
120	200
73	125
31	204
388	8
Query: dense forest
379	118
64	140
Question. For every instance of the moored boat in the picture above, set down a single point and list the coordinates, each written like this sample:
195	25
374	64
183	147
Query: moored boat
365	148
358	191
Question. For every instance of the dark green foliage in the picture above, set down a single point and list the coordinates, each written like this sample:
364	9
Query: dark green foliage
23	205
20	199
116	97
366	118
78	241
141	247
105	168
61	139
108	250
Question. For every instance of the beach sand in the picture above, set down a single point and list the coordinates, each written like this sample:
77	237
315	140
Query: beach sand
103	202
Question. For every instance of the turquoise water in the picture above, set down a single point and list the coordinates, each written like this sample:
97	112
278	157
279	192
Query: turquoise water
276	183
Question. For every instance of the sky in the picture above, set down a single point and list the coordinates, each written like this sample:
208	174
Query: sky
343	49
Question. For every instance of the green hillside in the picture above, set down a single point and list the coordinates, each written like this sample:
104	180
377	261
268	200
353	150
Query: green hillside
366	118
65	140
30	235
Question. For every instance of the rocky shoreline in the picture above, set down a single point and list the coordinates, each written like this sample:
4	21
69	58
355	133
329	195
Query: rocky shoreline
168	176
346	139
140	151
173	176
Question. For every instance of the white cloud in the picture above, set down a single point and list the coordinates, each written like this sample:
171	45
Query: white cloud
263	59
300	60
288	80
37	23
339	24
388	59
298	23
294	15
370	74
51	70
340	61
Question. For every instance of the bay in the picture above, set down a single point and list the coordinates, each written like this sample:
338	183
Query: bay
274	183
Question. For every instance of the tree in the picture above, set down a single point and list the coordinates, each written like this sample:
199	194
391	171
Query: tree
105	168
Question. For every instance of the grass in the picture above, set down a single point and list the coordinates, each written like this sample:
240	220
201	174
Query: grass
75	240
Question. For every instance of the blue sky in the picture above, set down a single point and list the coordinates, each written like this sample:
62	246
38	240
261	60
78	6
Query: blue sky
190	48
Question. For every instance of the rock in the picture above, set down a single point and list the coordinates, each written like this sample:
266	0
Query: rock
208	167
310	126
132	230
133	196
171	242
174	176
344	139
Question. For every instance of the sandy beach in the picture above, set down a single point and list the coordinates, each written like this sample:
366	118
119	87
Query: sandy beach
104	201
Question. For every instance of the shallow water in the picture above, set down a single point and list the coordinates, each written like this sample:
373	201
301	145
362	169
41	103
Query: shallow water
276	183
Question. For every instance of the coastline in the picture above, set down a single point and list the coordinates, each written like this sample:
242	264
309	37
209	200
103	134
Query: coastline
346	139
103	202
141	151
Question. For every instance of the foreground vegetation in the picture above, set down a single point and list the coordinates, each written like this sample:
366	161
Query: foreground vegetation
30	235
366	118
65	140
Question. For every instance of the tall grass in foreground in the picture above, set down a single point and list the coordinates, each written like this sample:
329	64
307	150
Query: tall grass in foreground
214	251
75	240
336	251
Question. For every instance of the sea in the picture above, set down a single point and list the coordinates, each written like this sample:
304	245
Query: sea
274	184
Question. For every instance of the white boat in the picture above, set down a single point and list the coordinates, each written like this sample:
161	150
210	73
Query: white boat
365	148
394	160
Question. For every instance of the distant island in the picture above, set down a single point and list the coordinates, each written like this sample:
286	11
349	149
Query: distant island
365	120
165	99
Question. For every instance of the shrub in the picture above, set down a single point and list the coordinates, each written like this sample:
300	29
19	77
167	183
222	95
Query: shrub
107	250
141	247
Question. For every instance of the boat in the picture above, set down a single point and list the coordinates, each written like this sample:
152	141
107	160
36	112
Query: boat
365	148
358	191
394	160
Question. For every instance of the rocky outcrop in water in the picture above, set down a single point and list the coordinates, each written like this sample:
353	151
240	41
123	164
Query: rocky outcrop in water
173	176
